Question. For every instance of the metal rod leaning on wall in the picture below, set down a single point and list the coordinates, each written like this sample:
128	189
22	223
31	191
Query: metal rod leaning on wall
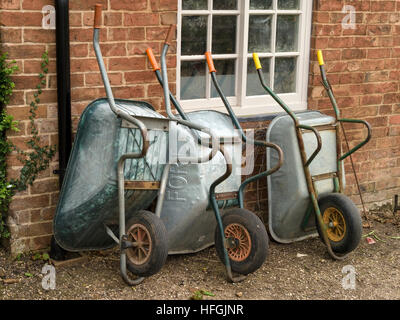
328	88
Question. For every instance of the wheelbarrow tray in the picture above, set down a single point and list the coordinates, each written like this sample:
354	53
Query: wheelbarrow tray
89	194
288	196
186	212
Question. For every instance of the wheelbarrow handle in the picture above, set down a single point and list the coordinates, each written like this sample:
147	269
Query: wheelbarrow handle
329	90
320	58
214	145
97	16
210	62
170	34
257	61
263	174
282	104
152	59
236	123
110	97
364	142
157	71
319	142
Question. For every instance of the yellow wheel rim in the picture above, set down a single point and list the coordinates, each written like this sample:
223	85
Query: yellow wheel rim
336	224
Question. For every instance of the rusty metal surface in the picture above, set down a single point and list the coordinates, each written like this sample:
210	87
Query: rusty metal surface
325	176
142	185
288	197
226	195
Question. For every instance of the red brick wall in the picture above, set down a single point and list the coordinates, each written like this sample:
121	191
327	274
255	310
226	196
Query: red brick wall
364	69
363	66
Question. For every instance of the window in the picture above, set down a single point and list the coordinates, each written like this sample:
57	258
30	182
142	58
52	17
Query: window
278	30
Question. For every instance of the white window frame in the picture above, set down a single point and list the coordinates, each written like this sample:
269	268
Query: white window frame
251	105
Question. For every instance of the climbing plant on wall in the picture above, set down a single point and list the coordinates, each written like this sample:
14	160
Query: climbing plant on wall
6	123
37	157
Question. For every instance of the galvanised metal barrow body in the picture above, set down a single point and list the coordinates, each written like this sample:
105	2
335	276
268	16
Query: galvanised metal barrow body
89	195
308	190
186	213
288	196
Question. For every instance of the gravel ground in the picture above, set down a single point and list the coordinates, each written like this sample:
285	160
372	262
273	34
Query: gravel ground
301	270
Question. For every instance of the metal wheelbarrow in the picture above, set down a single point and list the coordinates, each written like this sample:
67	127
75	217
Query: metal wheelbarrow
311	181
239	258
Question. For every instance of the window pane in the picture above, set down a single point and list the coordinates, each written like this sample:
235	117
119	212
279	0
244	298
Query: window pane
260	4
287	33
193	80
254	87
194	4
194	35
288	4
260	33
225	5
285	75
224	34
225	76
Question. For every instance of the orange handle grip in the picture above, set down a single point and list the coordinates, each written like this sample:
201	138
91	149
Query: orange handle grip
170	34
210	62
97	16
152	59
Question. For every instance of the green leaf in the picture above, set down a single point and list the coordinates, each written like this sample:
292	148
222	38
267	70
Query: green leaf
207	293
37	256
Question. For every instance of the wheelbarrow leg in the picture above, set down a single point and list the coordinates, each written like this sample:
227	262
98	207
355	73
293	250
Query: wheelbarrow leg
228	267
161	192
122	230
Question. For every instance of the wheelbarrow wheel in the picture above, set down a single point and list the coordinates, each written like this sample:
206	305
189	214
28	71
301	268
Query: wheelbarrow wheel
249	241
343	220
150	244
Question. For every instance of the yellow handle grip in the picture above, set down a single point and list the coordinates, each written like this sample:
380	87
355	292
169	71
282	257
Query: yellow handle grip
257	62
320	58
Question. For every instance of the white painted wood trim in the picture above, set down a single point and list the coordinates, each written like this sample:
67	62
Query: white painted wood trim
252	105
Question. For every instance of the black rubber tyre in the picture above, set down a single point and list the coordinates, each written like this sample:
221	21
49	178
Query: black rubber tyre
149	232
339	209
56	252
251	237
